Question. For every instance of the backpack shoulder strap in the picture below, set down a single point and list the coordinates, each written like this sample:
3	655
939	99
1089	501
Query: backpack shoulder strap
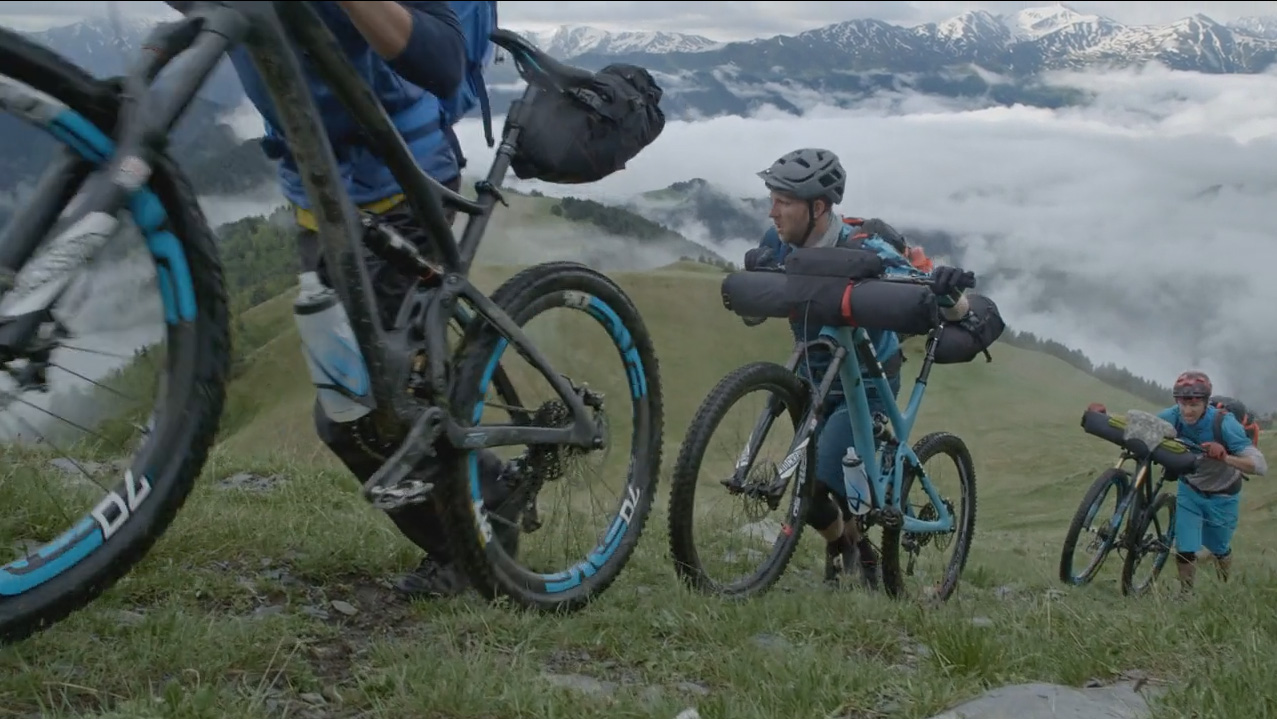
1217	426
485	105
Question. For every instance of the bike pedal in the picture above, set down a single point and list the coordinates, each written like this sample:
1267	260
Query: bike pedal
412	491
391	486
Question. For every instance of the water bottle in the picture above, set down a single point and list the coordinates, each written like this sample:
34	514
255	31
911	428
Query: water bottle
856	480
337	367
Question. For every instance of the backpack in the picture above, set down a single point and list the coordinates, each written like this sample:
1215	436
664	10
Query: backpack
1237	409
587	131
875	226
478	20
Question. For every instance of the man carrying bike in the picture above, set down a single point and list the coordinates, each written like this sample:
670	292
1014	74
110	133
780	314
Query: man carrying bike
805	185
1207	502
410	54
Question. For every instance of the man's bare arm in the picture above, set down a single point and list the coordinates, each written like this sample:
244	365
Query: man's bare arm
1250	461
422	41
385	24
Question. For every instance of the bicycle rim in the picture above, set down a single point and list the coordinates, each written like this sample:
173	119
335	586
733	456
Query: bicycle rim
1102	538
474	517
689	555
69	570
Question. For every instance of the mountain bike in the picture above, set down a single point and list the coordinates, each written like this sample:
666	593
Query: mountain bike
424	398
881	440
1139	497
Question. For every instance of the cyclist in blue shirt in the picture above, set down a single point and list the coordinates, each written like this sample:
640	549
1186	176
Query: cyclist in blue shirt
1207	501
805	185
410	54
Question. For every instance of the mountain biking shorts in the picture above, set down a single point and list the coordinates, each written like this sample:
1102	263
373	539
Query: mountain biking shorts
1205	520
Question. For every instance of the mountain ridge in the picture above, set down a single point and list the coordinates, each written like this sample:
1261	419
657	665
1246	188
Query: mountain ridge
977	58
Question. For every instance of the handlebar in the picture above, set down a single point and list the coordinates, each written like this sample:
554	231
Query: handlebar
966	282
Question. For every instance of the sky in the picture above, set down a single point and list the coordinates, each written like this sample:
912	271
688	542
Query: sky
1140	226
718	20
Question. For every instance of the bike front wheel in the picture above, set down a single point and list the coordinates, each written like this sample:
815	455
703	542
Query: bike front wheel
788	399
476	516
1117	481
916	502
74	567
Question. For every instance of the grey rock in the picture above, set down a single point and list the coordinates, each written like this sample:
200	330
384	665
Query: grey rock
1053	701
344	607
693	688
581	683
250	482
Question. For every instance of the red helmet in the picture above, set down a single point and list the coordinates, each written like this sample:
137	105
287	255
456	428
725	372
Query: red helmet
1192	385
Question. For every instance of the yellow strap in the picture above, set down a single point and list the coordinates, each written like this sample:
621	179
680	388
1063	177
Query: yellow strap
306	218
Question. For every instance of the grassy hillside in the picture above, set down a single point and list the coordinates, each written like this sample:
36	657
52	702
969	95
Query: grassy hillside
536	228
232	614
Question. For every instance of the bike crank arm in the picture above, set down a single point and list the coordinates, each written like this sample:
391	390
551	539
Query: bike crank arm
392	486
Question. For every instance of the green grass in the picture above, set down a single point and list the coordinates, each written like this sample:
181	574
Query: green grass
231	615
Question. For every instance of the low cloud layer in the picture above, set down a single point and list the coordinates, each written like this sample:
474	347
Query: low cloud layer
1140	228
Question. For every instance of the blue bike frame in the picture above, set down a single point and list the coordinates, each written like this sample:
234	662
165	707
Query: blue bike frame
858	352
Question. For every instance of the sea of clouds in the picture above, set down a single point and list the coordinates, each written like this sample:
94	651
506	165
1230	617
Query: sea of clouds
1139	228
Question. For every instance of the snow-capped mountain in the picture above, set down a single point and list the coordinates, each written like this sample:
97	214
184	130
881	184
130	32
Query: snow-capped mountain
977	58
572	41
1261	26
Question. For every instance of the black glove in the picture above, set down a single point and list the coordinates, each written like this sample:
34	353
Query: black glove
948	280
759	257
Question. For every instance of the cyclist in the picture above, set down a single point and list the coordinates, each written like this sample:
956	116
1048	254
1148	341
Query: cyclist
409	54
1207	501
805	185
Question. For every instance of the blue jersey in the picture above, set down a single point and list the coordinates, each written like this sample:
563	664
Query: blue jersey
409	87
886	344
1213	476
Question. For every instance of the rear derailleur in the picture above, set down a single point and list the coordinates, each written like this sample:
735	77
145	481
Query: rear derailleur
523	476
31	338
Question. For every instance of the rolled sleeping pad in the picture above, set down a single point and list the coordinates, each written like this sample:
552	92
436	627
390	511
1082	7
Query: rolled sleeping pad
1174	456
892	306
835	301
756	294
849	263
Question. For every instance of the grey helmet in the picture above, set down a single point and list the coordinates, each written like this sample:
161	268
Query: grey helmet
808	174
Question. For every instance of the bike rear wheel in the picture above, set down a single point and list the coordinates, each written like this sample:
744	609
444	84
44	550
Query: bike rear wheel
75	567
1114	479
1141	543
894	539
492	569
792	396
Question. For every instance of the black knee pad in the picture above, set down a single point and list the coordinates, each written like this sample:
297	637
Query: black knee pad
1184	558
822	511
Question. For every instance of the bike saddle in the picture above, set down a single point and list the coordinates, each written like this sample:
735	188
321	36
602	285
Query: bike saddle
561	74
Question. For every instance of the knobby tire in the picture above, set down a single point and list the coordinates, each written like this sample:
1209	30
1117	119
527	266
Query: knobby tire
198	359
492	572
793	393
929	446
1121	481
